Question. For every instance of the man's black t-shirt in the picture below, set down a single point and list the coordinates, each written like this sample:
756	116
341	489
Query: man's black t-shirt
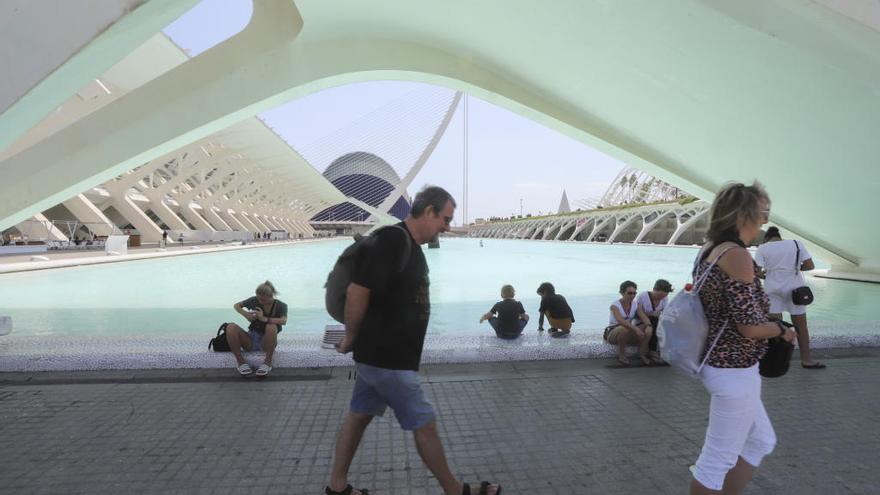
393	330
556	306
508	312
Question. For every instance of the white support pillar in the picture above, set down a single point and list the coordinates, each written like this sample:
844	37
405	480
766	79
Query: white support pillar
599	226
684	226
40	226
133	213
647	227
621	226
86	212
213	218
193	217
232	221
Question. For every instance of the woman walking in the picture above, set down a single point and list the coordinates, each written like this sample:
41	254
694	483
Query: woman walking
739	434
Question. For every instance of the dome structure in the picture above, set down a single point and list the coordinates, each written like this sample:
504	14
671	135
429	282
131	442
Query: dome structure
367	178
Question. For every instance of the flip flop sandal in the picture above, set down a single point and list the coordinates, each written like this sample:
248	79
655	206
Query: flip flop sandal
815	366
245	369
347	491
264	369
484	488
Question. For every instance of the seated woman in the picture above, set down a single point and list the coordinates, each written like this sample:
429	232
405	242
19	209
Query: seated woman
267	315
511	317
629	325
556	309
653	302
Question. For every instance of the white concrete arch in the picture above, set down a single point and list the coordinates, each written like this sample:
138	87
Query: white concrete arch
779	52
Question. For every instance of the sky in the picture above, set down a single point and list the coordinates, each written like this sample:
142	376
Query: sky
511	160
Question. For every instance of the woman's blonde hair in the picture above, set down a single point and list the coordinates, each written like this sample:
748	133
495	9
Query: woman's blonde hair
266	289
733	202
507	292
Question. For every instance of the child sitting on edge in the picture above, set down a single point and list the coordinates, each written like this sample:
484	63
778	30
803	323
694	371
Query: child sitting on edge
557	311
507	317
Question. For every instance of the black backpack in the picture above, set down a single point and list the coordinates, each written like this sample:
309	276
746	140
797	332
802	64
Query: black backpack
340	276
219	343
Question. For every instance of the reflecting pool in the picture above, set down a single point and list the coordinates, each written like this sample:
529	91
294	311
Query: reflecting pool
192	295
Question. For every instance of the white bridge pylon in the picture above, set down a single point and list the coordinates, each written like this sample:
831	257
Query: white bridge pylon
423	157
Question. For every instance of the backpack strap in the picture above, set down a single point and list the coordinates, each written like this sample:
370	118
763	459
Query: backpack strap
698	283
709	350
407	250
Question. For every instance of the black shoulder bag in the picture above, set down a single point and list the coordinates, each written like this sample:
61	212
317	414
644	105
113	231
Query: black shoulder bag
778	356
801	296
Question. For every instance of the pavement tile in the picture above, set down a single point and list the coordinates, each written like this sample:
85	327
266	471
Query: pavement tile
562	427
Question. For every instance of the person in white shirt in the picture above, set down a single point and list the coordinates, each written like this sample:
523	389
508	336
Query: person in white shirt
629	325
653	302
782	263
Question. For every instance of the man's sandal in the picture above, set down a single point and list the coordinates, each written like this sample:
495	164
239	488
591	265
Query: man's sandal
347	491
263	370
245	370
484	488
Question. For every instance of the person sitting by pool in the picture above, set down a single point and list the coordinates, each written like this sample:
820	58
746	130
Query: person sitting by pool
628	325
653	302
556	309
267	316
507	317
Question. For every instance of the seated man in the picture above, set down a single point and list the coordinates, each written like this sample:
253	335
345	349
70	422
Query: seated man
511	317
653	302
628	325
556	309
267	315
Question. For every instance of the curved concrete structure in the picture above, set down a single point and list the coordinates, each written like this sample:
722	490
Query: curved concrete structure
663	223
694	92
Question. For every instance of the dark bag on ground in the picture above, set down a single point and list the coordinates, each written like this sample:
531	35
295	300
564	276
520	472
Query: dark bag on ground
219	343
801	296
342	272
777	359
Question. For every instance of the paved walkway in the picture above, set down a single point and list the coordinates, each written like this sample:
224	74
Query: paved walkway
559	427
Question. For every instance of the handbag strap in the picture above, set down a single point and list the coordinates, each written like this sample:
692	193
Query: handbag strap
797	257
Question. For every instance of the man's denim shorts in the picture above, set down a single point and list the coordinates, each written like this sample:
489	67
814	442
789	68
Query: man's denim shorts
256	341
377	388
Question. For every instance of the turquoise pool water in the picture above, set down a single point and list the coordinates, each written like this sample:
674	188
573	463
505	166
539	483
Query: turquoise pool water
192	295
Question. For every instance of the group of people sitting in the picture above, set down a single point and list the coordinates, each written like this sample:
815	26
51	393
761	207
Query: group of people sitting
632	318
508	317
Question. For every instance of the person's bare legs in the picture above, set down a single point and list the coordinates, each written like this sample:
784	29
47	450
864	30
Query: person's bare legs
803	338
347	442
622	339
270	341
738	477
431	451
643	346
697	488
237	339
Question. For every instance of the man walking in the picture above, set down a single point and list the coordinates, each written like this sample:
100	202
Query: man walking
386	317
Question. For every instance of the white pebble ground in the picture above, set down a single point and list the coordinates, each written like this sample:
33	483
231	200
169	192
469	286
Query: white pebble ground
49	353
